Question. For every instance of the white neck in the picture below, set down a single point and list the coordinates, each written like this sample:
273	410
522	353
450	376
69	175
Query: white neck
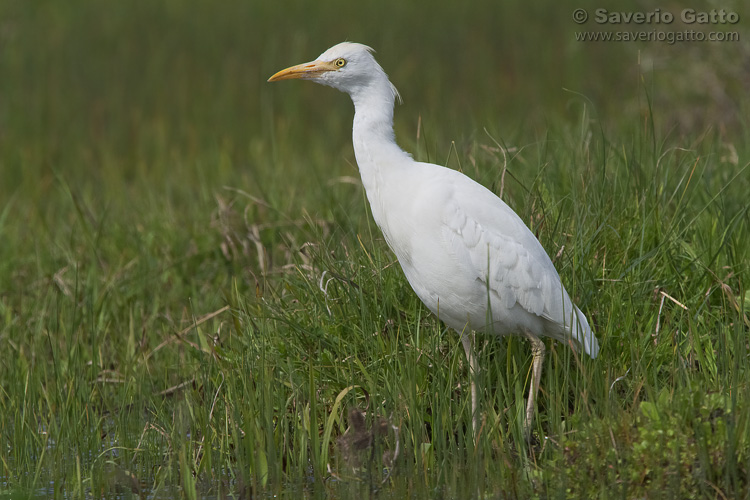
374	140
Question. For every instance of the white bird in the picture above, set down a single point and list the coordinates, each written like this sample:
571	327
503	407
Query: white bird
467	255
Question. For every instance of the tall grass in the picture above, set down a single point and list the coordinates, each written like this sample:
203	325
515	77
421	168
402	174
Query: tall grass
195	302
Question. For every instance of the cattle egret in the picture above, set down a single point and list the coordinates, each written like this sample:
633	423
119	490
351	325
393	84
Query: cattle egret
467	255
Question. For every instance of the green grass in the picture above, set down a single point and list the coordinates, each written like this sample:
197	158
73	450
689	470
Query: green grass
193	296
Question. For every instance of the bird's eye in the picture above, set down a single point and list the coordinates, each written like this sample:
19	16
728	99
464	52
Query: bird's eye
340	62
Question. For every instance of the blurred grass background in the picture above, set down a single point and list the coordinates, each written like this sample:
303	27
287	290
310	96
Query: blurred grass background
109	88
150	176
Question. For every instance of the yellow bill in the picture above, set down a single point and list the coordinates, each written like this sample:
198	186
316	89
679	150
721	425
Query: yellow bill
304	71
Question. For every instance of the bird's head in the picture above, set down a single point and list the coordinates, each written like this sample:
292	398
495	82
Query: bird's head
348	67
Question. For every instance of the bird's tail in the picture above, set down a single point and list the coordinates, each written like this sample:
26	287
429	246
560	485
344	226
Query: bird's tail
581	332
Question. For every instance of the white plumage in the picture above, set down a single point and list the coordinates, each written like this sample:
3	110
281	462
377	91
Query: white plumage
466	254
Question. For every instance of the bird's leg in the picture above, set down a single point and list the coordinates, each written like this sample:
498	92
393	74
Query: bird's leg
537	351
467	339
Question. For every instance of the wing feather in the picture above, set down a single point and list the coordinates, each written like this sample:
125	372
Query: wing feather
505	255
